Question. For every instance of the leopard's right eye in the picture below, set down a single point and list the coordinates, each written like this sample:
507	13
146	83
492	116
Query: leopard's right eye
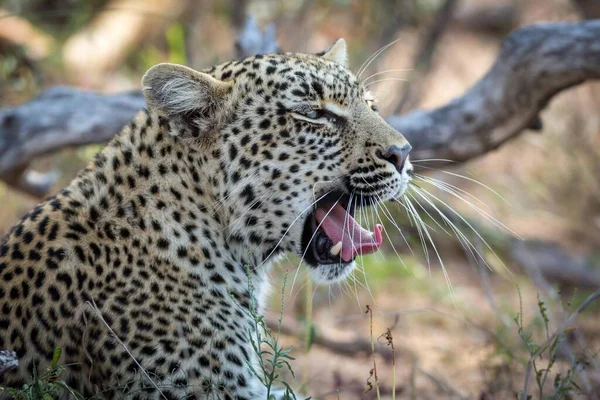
315	115
312	114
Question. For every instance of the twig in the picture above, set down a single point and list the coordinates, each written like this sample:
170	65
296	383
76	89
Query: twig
495	338
373	372
390	342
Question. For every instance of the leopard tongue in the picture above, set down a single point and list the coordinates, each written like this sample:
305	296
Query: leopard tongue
339	226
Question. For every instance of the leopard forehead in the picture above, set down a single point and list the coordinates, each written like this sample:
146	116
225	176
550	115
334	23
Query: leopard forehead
293	77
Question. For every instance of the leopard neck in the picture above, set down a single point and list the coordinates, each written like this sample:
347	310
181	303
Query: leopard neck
148	189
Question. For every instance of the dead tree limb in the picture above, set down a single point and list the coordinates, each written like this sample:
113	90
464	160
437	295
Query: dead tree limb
62	117
8	361
536	62
58	118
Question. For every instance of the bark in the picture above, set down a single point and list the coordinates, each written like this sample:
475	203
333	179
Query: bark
535	63
8	361
58	118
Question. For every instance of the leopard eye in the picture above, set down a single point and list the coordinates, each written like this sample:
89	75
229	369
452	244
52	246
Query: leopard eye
316	115
312	114
320	114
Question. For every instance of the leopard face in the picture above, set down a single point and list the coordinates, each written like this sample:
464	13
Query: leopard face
296	147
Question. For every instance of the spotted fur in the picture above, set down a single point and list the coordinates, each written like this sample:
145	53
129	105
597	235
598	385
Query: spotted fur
147	258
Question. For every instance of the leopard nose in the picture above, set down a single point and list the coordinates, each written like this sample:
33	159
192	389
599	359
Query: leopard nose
397	156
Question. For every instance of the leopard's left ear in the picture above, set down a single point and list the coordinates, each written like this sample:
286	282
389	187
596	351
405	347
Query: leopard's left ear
337	52
186	96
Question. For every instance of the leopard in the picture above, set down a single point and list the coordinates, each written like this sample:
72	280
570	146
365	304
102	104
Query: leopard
148	270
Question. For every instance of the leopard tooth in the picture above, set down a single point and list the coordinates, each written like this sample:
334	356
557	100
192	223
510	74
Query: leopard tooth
335	250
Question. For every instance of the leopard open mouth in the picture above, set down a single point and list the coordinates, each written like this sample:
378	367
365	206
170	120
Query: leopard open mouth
332	236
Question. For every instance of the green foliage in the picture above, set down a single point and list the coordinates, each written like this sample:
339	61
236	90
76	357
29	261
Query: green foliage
311	331
175	36
47	386
272	358
543	357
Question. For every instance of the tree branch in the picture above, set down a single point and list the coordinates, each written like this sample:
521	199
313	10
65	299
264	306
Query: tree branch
62	117
8	361
59	117
535	63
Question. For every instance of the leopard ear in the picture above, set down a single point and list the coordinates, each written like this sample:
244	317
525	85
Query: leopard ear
187	96
337	52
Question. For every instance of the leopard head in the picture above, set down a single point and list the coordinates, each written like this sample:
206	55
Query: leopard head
295	146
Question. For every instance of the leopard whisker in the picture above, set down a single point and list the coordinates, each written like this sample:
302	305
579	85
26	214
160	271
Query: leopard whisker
374	217
431	241
386	80
428	214
351	276
413	219
449	188
381	204
475	181
387	71
292	224
464	220
390	218
360	267
432	160
481	212
464	241
372	57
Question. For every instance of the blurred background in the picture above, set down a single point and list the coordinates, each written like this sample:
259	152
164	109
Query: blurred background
464	324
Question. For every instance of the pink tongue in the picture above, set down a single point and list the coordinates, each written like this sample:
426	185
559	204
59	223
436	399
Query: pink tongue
339	226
